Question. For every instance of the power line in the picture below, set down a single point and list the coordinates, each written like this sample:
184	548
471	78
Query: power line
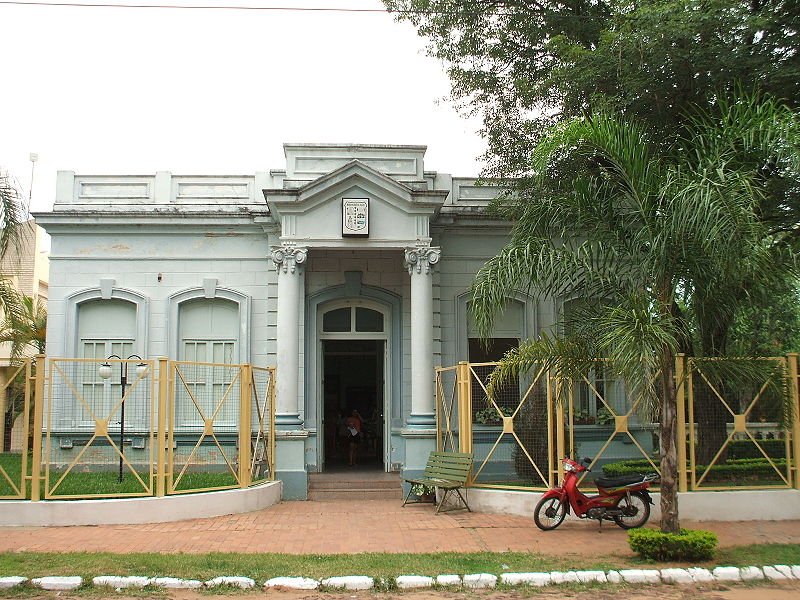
208	7
330	9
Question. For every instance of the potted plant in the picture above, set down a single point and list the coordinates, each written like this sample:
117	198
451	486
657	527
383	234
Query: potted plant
425	493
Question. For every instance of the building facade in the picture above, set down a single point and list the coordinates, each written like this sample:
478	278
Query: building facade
349	270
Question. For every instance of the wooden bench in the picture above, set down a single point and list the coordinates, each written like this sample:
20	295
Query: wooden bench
446	471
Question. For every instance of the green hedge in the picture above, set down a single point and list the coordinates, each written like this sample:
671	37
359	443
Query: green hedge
747	449
733	470
688	545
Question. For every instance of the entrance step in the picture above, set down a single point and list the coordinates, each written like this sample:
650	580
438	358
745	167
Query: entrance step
354	486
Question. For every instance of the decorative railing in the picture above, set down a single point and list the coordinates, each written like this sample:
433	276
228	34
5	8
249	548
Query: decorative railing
125	428
740	427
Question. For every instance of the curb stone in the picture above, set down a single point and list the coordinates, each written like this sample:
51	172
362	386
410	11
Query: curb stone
9	582
450	579
174	583
57	584
413	581
535	579
751	573
295	583
350	582
727	574
480	580
591	576
117	582
240	582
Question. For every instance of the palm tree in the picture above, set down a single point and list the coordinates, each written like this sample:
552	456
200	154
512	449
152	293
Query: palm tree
635	225
13	212
24	324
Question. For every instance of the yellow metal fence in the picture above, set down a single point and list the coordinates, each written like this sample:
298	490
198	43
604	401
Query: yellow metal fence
126	428
741	425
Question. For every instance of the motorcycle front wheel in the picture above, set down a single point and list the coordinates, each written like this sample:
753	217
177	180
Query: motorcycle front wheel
635	511
549	513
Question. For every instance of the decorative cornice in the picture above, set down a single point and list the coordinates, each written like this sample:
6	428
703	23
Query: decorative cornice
422	258
288	258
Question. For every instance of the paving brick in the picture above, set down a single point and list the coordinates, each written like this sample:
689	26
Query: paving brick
324	528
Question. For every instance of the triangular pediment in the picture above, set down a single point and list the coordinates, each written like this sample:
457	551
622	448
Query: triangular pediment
314	211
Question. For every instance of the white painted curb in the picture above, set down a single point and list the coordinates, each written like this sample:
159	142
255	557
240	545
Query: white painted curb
294	583
684	576
174	583
57	583
121	582
240	582
349	582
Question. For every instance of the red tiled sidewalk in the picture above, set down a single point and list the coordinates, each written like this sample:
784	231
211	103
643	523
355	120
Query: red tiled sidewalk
367	526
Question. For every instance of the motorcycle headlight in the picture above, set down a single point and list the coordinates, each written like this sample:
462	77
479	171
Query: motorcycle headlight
569	467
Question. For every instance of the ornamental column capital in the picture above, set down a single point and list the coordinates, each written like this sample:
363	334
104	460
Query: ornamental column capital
422	258
288	257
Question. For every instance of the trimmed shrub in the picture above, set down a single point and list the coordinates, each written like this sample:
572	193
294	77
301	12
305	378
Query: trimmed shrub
747	449
688	545
742	469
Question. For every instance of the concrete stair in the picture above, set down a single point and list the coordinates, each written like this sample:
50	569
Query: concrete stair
355	485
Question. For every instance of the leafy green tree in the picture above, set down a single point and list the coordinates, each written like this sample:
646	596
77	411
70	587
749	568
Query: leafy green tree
633	229
526	64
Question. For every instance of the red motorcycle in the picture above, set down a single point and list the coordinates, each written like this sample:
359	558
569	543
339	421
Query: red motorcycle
624	500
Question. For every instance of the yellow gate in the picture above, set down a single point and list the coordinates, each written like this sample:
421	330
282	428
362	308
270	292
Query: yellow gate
739	430
208	407
98	428
598	385
15	397
511	429
262	436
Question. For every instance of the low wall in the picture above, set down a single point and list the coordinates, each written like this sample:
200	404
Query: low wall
129	511
742	505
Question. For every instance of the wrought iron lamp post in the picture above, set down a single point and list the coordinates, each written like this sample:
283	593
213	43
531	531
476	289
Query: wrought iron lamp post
105	371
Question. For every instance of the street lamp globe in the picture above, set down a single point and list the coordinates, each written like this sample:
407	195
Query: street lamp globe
104	371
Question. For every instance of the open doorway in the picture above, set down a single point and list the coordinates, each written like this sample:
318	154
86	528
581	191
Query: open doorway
353	380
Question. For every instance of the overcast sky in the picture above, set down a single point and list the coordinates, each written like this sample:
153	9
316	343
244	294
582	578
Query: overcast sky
133	91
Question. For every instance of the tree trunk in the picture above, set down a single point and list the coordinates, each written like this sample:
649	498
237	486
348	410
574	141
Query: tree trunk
669	451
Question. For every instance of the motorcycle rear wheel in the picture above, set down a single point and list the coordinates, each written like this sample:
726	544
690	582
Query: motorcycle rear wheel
549	513
635	511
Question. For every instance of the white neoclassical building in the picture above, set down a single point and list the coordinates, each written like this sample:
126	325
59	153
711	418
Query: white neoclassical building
349	269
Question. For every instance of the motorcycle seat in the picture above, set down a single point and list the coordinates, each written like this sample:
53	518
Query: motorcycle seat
612	482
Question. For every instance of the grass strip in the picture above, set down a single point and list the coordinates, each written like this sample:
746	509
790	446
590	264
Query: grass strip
264	566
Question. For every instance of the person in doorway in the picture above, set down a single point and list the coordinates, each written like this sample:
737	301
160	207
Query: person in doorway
355	426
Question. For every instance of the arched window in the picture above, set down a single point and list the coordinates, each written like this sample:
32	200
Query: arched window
208	330
106	327
508	329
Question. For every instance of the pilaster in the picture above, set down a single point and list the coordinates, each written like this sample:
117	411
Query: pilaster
289	261
420	261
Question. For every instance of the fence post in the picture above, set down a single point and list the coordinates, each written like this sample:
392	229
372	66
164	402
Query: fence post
680	392
36	434
560	441
161	432
464	408
792	358
245	407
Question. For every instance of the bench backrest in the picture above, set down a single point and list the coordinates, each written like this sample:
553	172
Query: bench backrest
452	466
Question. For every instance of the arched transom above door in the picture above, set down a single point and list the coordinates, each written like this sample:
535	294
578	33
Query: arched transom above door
352	318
